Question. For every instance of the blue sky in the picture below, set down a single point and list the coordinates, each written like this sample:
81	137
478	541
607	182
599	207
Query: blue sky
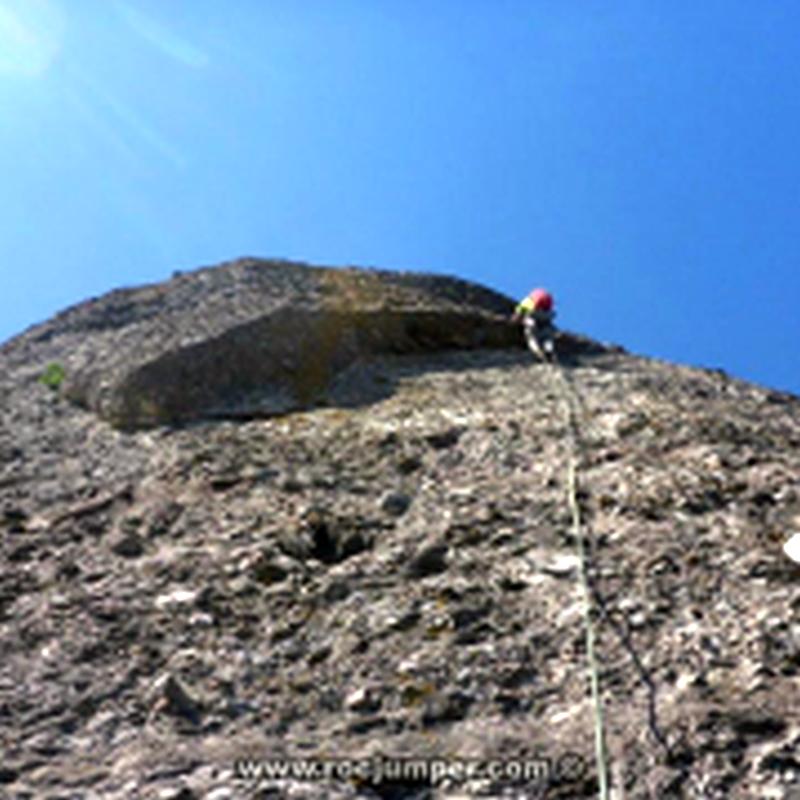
639	158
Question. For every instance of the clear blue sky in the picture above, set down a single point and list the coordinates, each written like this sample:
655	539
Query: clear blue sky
640	158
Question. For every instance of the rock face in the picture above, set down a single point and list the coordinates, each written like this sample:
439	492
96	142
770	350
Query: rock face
271	606
255	337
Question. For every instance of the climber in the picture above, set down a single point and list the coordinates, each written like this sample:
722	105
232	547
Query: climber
536	313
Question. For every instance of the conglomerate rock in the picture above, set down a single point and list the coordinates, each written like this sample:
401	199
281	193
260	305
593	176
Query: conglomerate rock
394	576
255	337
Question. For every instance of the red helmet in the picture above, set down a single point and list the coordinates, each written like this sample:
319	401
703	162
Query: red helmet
541	299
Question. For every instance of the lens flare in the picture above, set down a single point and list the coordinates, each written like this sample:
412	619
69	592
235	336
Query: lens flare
31	36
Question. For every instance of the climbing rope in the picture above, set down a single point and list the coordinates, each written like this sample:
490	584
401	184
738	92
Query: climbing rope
578	417
572	406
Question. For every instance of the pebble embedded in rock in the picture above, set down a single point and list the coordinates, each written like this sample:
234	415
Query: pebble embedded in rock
336	590
292	483
363	700
562	566
182	793
221	793
792	547
409	464
269	569
15	519
177	598
8	774
169	695
445	439
448	708
163	518
128	545
396	504
468	615
430	560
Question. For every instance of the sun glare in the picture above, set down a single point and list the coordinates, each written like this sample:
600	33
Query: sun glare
31	35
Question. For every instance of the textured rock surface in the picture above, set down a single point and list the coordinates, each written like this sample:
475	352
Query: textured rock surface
397	578
255	337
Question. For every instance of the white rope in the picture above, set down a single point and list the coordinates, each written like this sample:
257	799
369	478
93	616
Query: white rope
601	753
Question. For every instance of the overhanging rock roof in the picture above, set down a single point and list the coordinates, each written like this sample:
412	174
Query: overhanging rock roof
258	337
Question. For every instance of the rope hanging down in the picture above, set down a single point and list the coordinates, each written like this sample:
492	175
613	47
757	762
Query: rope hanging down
601	755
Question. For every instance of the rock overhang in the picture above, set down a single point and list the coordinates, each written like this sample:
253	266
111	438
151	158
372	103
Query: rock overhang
260	337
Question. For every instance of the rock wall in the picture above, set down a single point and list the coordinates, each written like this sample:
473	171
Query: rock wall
397	580
258	337
254	337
